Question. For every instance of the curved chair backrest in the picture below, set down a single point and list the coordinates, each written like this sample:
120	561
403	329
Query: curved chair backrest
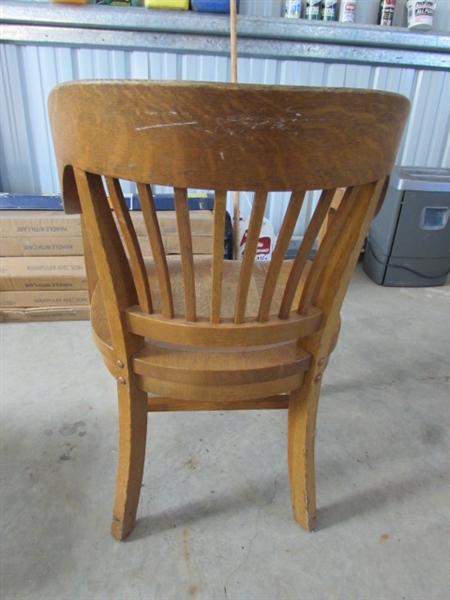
223	137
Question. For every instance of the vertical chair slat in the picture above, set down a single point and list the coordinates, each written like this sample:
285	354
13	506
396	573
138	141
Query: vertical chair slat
342	234
279	253
304	252
187	258
111	263
351	221
251	244
89	259
338	195
159	255
327	246
220	200
131	243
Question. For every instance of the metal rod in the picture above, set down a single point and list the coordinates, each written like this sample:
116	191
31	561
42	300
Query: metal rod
233	40
234	76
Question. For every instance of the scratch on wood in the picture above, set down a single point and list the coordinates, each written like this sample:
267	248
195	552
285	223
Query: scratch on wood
166	125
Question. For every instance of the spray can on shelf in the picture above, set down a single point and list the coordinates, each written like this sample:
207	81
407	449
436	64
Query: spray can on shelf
312	10
347	11
328	11
293	9
387	8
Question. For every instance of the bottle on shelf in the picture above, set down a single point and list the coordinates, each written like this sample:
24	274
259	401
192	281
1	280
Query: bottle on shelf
347	11
328	12
293	9
387	8
312	10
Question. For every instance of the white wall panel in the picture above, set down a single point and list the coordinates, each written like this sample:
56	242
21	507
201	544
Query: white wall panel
28	73
17	161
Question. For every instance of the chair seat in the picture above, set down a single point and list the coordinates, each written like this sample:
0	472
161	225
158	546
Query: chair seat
184	372
231	270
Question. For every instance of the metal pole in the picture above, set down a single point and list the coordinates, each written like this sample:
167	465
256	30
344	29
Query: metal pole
233	52
233	40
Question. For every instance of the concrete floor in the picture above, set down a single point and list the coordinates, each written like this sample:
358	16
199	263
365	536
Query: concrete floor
215	519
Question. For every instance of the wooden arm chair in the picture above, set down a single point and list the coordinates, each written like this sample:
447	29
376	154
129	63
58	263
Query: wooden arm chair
206	333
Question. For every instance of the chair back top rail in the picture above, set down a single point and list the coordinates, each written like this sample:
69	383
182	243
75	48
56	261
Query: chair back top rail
227	136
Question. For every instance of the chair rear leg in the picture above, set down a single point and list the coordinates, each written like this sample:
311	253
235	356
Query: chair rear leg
301	435
131	457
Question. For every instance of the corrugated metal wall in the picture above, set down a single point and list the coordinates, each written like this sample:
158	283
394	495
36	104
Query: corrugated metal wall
30	71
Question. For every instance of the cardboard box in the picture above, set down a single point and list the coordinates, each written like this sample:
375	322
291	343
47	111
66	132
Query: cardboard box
43	299
45	223
28	315
202	222
19	273
199	200
201	244
41	246
49	224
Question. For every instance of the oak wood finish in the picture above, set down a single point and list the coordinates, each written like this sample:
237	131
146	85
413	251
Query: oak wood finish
204	333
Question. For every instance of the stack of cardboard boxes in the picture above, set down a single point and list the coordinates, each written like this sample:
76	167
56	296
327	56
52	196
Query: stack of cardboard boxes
42	272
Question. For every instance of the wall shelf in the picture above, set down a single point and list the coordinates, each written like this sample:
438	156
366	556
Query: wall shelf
206	33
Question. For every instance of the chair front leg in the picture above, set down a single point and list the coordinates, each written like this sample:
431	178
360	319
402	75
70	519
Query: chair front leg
131	457
302	416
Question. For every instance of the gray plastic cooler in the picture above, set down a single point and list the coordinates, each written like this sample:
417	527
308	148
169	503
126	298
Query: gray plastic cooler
408	244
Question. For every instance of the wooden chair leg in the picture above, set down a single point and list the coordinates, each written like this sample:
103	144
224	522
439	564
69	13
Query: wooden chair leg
131	456
301	434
